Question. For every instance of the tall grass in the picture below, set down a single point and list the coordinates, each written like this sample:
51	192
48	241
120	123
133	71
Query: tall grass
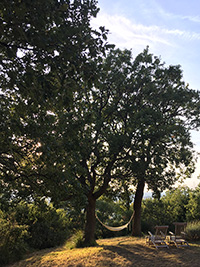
76	240
193	230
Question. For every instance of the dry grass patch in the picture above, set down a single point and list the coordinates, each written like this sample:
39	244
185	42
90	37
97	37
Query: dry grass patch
115	252
60	257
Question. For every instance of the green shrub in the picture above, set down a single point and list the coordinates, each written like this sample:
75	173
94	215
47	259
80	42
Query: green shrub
12	240
76	240
48	226
32	225
193	230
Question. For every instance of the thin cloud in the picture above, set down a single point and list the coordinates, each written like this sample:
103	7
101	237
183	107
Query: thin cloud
184	34
169	15
190	18
126	33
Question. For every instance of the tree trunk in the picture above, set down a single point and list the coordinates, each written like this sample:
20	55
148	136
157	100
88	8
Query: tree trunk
89	235
136	229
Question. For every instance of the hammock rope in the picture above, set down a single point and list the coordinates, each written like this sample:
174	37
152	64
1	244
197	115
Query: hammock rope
117	228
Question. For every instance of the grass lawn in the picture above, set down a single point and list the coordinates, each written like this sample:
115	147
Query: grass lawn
115	252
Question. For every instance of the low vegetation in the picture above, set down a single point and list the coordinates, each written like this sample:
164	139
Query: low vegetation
193	230
25	227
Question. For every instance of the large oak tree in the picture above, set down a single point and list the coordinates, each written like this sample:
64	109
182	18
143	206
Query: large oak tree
152	113
48	52
133	125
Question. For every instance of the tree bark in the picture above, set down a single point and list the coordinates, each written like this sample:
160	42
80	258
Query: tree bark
136	229
89	235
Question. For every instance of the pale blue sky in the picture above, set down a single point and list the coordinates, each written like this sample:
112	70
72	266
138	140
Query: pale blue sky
171	29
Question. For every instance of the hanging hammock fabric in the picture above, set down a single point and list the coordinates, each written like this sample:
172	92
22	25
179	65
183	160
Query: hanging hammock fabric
118	228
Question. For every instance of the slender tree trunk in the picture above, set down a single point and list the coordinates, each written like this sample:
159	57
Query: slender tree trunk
136	229
89	235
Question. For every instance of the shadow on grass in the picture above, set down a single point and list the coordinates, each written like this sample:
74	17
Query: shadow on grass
143	255
116	253
34	258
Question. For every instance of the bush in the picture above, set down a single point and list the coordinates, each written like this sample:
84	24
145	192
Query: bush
193	230
48	227
153	213
32	225
76	241
12	240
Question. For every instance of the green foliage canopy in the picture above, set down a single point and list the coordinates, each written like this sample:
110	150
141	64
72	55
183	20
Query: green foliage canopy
48	51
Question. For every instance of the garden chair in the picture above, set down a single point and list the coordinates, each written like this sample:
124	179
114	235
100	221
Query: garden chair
158	239
178	238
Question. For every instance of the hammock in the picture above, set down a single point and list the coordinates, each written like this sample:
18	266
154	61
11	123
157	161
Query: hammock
118	228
